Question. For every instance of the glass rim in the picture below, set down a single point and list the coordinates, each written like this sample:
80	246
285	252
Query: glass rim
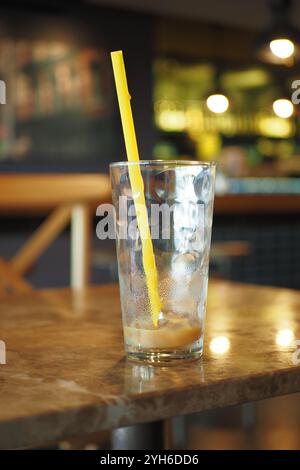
166	163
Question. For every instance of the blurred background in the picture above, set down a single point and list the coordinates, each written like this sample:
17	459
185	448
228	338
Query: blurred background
210	80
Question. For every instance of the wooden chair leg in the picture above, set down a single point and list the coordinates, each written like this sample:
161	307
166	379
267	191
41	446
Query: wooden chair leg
10	281
41	239
80	246
45	235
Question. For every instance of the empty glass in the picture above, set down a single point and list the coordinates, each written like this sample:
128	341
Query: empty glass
179	198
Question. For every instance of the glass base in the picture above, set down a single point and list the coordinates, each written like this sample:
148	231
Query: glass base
161	357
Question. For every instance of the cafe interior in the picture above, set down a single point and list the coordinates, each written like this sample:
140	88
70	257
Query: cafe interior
210	81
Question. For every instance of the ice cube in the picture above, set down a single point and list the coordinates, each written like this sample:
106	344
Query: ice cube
203	186
184	264
185	178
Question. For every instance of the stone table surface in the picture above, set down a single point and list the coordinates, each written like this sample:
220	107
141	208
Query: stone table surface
66	374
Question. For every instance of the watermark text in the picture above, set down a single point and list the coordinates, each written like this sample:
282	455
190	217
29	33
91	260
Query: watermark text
2	353
2	92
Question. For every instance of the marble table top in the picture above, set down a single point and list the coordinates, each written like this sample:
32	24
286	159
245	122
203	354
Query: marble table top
66	374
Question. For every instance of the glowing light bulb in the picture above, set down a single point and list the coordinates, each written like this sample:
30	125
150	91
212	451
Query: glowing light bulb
282	48
219	345
217	103
285	338
283	108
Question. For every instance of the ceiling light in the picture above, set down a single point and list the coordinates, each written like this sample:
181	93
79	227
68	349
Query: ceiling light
283	108
282	48
217	103
280	43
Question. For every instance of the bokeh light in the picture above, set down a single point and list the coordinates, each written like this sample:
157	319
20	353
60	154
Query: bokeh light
285	337
283	108
219	345
217	103
282	48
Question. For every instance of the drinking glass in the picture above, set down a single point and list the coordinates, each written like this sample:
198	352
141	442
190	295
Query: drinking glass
179	199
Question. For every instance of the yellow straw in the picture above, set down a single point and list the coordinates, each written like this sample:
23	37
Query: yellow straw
137	184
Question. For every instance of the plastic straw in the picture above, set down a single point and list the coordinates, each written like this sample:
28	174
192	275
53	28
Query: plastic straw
137	184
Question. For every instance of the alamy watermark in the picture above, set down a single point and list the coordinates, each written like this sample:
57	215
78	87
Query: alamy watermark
2	92
2	353
296	94
296	353
160	221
